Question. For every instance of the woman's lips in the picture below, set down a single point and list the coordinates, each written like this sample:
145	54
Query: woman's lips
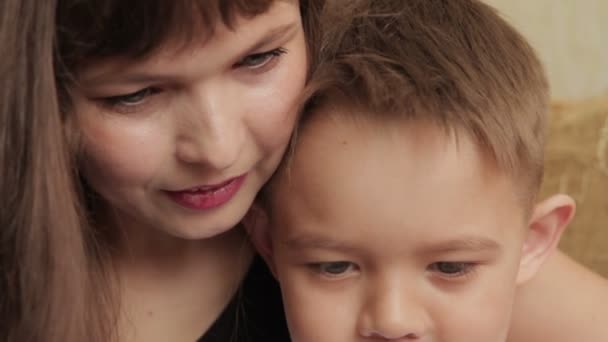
208	196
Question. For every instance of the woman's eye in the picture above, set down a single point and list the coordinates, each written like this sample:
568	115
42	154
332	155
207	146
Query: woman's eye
452	269
334	269
132	99
259	60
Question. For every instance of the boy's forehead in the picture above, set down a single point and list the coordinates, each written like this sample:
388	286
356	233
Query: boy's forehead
340	123
359	177
337	143
346	135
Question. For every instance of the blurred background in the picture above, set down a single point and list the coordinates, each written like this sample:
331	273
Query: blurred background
571	38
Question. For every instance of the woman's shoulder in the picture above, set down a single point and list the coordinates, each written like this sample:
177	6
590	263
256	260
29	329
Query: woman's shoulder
255	313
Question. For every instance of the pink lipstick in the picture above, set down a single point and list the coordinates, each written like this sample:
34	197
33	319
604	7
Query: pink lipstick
207	196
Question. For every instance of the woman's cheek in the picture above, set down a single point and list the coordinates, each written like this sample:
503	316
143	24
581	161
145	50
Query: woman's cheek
276	101
275	114
123	154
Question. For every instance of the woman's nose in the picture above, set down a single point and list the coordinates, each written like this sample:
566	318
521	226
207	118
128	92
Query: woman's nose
393	314
211	134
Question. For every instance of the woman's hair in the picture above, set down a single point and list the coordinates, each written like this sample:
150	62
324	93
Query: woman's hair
55	282
41	238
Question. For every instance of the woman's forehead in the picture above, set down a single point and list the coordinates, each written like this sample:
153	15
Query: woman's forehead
176	60
138	27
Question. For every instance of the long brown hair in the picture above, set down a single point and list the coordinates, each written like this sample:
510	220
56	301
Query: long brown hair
54	282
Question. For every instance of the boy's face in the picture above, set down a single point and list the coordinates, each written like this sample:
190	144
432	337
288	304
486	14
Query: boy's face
394	231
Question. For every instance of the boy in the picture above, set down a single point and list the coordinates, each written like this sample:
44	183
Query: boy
406	210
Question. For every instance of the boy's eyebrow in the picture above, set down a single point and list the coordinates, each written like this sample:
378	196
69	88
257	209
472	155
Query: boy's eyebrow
458	244
462	243
317	242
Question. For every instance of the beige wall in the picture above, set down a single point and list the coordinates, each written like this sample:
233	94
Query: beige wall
571	36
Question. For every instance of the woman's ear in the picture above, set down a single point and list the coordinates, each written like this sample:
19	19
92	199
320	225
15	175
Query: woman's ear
549	219
257	226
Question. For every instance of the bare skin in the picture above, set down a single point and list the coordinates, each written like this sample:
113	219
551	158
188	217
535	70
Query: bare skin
564	302
190	276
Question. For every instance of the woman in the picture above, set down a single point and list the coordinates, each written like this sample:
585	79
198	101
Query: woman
135	135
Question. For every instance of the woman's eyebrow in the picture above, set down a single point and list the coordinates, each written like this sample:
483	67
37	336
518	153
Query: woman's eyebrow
279	33
282	32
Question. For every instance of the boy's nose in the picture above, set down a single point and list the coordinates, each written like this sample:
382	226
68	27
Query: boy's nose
393	315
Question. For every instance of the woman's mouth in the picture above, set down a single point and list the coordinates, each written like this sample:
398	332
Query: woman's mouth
207	196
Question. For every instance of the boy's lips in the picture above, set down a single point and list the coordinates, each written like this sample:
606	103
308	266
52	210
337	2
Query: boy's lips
207	196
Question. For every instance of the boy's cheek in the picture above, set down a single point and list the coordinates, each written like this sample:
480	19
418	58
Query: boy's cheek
283	268
312	309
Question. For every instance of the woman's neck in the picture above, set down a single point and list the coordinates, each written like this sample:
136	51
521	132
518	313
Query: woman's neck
174	289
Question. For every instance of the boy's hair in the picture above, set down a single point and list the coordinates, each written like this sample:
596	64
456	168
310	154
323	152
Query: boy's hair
453	62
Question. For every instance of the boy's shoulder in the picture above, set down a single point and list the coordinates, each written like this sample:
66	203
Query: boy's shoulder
564	302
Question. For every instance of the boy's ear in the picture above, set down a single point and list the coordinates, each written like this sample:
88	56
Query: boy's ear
257	225
549	219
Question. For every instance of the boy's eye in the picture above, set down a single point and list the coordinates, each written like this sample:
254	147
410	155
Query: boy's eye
452	269
334	269
258	60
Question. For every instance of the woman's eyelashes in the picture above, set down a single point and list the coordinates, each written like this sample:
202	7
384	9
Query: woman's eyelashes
139	100
261	61
132	102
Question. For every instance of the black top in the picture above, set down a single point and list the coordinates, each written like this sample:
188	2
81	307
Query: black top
255	314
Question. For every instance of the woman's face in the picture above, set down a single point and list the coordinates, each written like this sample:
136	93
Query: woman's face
182	141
